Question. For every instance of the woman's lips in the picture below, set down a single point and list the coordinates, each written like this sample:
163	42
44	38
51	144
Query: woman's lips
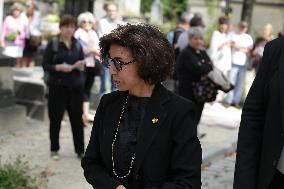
116	82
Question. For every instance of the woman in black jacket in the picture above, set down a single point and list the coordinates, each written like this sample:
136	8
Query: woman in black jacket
193	63
63	64
143	135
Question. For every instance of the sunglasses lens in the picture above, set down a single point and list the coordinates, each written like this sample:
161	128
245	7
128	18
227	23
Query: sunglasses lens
108	62
117	65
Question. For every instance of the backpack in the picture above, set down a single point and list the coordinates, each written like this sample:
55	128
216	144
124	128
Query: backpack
170	37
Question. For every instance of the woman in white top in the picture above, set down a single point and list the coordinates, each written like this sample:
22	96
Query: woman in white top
220	50
32	19
90	43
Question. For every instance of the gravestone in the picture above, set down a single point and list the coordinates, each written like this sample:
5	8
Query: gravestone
30	91
157	12
12	116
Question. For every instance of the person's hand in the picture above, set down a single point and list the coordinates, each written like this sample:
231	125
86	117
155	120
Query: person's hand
120	187
63	68
79	65
2	44
87	50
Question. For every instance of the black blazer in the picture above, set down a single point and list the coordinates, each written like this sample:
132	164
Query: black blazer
189	68
168	152
261	136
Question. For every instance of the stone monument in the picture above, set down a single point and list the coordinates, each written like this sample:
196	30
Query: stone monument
12	116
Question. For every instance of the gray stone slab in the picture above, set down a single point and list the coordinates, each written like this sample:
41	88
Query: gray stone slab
12	118
6	61
6	78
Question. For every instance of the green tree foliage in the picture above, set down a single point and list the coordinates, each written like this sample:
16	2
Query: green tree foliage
60	2
171	7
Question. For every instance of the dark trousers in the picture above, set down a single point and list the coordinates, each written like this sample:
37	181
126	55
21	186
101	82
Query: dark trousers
70	99
277	181
199	106
90	74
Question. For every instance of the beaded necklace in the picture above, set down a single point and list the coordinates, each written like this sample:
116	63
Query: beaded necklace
113	143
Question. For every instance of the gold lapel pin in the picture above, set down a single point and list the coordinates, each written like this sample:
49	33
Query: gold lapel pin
155	120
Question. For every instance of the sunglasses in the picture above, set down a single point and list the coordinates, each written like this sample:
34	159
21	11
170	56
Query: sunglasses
118	64
84	22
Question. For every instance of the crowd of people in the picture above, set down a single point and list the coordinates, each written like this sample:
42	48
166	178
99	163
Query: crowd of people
136	126
230	50
21	36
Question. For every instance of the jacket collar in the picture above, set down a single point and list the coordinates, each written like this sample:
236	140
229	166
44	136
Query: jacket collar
154	117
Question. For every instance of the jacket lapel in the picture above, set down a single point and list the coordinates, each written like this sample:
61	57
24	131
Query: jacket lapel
110	123
281	82
152	121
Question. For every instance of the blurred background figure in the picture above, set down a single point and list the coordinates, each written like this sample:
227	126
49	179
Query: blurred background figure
241	44
105	26
258	47
90	43
63	61
32	20
182	26
220	50
12	37
195	21
193	63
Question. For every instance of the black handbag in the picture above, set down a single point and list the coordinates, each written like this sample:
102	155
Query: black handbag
205	90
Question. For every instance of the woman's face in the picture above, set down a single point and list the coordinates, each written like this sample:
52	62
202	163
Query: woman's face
16	13
87	25
267	31
30	10
196	42
127	78
223	28
67	31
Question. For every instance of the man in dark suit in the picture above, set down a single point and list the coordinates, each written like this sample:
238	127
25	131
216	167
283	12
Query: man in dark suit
260	155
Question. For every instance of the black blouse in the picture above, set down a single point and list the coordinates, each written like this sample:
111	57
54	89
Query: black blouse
128	134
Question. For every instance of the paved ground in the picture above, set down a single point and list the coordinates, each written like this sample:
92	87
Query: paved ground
220	174
219	123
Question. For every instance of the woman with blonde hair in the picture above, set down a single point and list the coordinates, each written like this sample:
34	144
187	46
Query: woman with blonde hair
12	37
90	43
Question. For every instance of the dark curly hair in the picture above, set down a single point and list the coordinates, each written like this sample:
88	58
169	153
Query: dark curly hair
151	50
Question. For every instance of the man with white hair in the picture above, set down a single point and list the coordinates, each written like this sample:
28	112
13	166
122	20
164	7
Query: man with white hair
105	26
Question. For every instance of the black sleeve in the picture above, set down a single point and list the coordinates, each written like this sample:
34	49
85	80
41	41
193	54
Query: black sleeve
192	66
47	63
81	52
251	128
94	171
186	155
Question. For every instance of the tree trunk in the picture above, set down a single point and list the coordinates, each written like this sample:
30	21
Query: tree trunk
75	7
247	11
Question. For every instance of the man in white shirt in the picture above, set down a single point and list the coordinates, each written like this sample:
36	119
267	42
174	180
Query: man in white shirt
105	26
241	43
